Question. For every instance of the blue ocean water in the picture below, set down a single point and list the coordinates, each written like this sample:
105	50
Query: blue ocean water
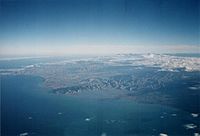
28	107
197	55
7	63
21	62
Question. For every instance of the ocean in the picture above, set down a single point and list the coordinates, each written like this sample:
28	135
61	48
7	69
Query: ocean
28	108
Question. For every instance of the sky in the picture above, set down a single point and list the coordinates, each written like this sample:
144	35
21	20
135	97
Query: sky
55	27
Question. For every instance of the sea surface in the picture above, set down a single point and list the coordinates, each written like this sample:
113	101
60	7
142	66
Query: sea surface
27	107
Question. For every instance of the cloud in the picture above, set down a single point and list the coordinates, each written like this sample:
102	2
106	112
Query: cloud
94	49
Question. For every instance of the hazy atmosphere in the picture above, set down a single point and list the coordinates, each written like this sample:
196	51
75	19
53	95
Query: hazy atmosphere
61	27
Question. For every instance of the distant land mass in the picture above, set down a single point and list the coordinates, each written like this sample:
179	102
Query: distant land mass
146	78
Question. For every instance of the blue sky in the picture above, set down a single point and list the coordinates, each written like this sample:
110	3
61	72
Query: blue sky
29	25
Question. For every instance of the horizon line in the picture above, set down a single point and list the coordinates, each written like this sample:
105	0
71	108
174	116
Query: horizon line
96	50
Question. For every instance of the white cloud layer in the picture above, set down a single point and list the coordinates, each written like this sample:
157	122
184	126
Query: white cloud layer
164	62
94	49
